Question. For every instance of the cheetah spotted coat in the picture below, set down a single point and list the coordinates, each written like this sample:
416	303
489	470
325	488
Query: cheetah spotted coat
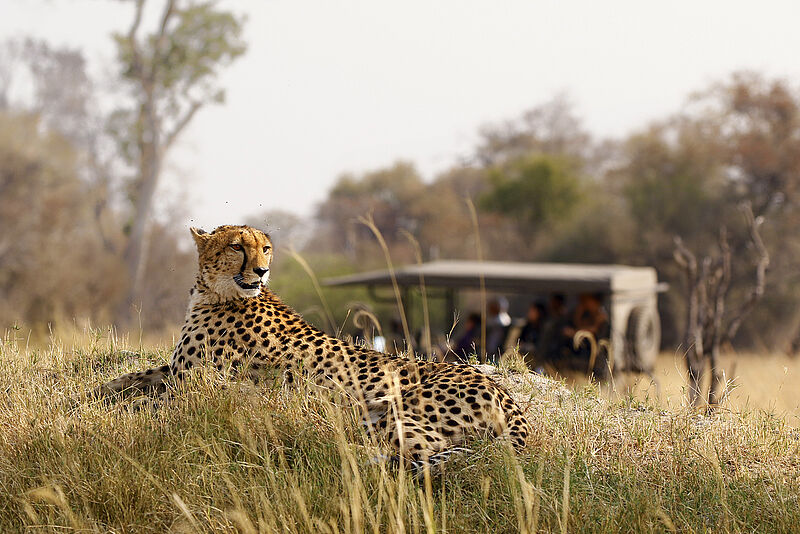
419	408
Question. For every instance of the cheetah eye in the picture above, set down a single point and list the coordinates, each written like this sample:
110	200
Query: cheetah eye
266	249
236	246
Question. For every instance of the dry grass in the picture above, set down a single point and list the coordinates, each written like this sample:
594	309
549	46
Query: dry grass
767	382
241	459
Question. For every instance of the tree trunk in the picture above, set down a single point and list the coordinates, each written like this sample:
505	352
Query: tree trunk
696	369
693	338
717	386
149	170
171	70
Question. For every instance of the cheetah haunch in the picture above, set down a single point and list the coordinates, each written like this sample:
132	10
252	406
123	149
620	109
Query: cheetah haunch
424	410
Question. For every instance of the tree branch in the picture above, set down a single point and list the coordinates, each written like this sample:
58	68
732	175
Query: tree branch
169	9
684	257
753	224
715	329
170	138
704	311
5	245
693	337
137	21
723	283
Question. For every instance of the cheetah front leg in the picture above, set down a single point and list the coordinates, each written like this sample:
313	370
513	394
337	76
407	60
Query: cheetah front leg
436	417
413	431
417	446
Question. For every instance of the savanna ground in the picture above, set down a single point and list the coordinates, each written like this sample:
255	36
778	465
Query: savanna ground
766	382
246	459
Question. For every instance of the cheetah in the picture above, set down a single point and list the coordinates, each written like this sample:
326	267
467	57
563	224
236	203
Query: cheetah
425	411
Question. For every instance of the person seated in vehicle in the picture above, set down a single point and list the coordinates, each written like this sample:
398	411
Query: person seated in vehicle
590	316
498	322
553	342
467	343
531	333
395	339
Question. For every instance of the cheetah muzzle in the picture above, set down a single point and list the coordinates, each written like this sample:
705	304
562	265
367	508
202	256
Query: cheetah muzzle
239	279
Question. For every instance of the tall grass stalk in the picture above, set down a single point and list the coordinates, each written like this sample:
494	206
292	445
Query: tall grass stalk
479	250
565	498
426	321
310	272
369	222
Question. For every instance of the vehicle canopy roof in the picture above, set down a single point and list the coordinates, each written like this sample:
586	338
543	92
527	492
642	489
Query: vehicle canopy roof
514	277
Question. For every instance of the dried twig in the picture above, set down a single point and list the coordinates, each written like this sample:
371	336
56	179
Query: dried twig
707	293
693	337
753	223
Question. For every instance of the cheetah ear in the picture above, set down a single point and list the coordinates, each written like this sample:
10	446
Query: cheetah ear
200	236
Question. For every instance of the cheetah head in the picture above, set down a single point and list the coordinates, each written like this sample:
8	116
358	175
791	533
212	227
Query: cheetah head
234	260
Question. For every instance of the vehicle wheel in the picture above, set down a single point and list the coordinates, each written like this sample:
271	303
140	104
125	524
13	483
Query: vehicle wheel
643	338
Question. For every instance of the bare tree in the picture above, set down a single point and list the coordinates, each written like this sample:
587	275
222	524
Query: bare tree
709	321
170	73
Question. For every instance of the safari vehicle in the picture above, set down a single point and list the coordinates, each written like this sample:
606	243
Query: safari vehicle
629	294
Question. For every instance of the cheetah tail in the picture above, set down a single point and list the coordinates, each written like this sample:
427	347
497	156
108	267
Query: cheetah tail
151	380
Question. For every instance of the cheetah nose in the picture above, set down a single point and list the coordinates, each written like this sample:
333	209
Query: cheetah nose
260	271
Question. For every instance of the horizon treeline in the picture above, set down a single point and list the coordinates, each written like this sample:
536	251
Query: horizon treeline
545	189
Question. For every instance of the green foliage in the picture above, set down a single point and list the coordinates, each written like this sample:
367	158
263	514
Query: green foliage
202	40
393	185
672	181
390	194
599	232
294	286
537	191
544	188
171	72
188	52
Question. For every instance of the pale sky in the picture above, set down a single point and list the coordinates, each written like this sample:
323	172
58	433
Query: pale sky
333	86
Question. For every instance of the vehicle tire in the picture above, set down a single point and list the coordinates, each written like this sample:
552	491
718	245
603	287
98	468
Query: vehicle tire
643	338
